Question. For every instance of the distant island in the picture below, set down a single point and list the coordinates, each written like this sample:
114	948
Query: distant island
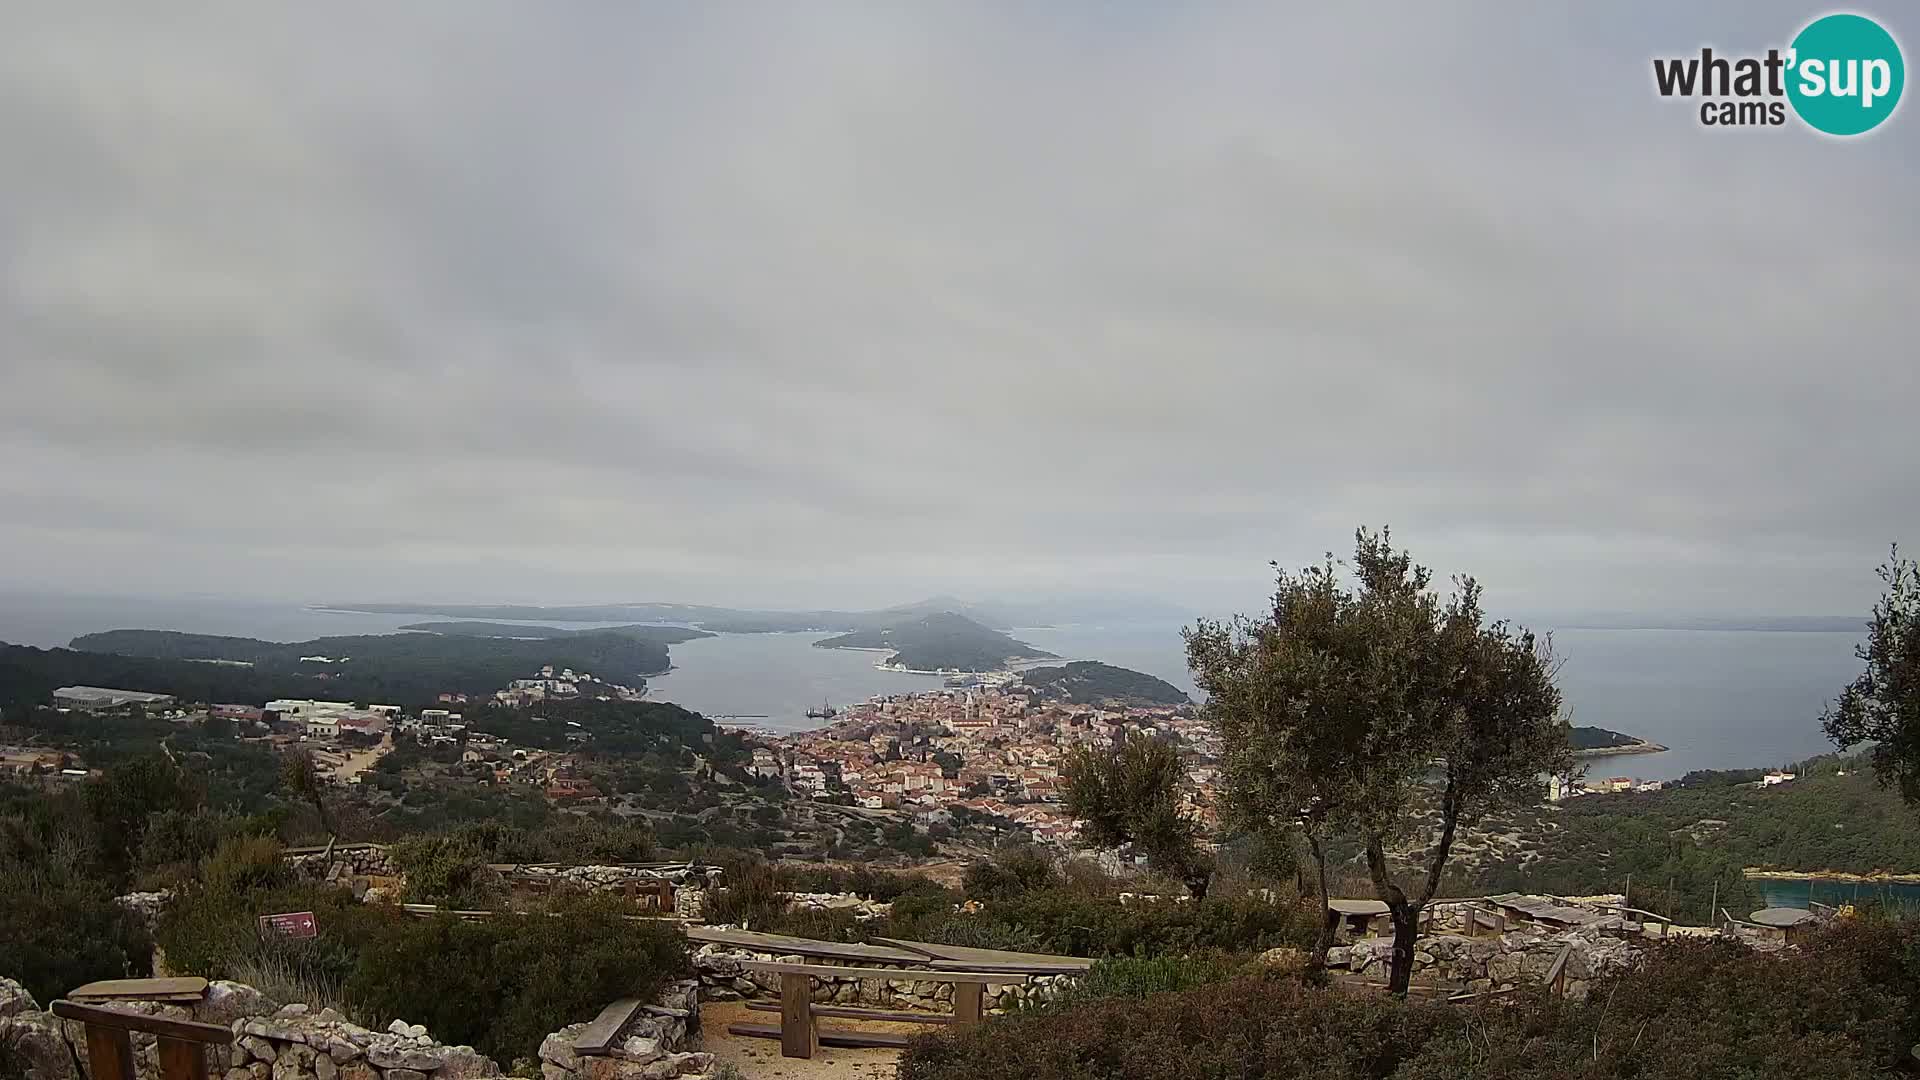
663	635
1089	682
714	619
403	668
942	642
1598	741
1779	624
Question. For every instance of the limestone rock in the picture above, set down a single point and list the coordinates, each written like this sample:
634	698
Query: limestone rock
557	1048
392	1056
694	1064
14	999
1285	959
227	1001
636	1048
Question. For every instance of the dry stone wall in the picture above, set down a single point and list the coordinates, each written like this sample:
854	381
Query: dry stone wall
294	1042
723	978
1516	958
270	1043
345	861
863	908
650	1047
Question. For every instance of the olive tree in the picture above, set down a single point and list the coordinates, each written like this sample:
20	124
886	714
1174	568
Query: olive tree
1364	703
1129	795
1882	705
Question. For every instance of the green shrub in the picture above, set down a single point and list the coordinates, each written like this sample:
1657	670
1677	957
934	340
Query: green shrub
448	871
1135	977
1012	872
502	984
1842	1009
57	934
243	864
749	896
1076	924
180	837
216	934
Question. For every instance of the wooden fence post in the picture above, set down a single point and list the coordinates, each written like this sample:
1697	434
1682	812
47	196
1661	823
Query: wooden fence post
968	999
798	1036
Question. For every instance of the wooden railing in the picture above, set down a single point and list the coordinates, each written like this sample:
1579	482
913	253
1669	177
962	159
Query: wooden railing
1557	974
182	1043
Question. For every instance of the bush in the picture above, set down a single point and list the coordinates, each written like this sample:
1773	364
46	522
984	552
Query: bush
243	864
59	934
1011	872
1136	977
215	933
1843	1009
502	984
447	870
1076	924
749	896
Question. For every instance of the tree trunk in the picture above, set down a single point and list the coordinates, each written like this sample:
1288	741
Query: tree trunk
1197	883
1328	920
1406	928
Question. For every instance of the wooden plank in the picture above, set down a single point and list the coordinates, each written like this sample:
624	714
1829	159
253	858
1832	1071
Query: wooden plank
141	990
859	1040
845	1012
1011	969
604	1030
987	959
799	1037
190	1030
182	1060
1557	974
827	971
109	1052
968	1001
782	943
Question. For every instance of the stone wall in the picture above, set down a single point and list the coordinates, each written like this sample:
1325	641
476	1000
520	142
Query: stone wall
863	909
722	978
1516	958
346	861
286	1043
294	1042
650	1047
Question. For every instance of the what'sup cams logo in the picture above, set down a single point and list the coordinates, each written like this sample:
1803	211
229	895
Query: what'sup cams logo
1842	75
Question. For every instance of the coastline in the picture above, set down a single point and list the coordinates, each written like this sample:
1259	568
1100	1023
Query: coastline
1754	873
1640	747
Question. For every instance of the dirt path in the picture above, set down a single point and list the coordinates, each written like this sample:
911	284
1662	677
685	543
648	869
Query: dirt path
362	761
759	1059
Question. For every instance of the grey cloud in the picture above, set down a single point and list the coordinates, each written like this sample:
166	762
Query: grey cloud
847	303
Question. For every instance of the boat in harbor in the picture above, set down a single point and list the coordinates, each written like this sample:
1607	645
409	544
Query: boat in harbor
824	712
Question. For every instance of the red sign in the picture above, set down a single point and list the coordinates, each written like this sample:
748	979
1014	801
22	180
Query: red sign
295	924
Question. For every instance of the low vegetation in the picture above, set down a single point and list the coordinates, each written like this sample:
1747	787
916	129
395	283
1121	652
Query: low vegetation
1847	1008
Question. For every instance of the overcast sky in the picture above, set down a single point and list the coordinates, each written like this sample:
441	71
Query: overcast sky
847	304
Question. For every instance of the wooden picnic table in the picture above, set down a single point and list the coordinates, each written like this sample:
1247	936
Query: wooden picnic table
959	957
783	944
180	1044
799	1034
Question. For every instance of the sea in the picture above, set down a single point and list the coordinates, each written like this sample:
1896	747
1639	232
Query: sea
1718	699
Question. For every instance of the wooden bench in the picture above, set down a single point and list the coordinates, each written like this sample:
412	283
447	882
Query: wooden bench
182	1043
801	1037
598	1037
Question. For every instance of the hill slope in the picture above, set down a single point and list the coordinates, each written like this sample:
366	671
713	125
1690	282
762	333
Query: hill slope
1089	682
940	642
401	668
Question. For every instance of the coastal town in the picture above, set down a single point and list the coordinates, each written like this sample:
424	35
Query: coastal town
985	749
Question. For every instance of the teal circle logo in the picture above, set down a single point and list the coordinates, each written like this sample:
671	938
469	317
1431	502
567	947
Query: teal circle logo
1845	74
